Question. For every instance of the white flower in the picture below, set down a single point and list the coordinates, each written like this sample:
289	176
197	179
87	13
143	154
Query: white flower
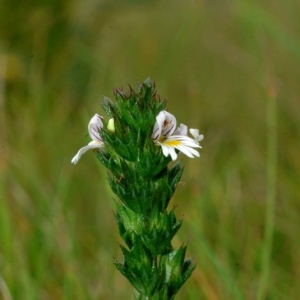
94	127
165	126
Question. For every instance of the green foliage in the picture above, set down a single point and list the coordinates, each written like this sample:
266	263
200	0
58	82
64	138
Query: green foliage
176	269
155	229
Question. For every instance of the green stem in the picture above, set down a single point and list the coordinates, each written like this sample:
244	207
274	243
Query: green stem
271	196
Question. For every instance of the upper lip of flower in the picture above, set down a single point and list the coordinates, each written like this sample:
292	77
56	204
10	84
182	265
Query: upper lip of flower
94	127
164	126
162	135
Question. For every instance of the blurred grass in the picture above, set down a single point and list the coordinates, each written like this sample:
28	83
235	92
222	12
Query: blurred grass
216	62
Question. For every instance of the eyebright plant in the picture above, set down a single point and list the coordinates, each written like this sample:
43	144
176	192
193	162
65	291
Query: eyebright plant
137	145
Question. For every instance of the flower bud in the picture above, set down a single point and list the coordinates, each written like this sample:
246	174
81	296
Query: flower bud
111	125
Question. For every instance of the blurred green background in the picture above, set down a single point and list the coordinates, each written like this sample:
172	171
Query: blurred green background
229	68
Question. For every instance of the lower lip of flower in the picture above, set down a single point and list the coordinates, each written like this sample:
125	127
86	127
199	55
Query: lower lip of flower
172	143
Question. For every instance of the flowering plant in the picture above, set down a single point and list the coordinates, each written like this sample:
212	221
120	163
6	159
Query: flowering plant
136	146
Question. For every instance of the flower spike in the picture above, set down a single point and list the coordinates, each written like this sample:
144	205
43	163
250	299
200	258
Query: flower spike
142	178
94	127
165	126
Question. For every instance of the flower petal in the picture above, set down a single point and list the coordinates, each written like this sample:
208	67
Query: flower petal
94	127
169	124
188	151
181	130
173	153
91	145
184	144
165	150
156	130
169	151
185	140
195	133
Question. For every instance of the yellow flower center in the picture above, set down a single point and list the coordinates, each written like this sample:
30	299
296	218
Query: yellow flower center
171	143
